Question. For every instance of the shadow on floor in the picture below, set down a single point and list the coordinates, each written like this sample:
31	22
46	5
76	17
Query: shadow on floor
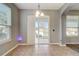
74	47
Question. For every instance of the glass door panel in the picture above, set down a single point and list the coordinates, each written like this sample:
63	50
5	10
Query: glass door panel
41	25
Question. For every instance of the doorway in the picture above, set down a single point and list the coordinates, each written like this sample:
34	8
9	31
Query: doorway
38	30
42	30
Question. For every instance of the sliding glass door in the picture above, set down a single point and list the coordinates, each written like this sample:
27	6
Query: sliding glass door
42	27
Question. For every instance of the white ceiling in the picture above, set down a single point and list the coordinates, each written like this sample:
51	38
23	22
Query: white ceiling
54	6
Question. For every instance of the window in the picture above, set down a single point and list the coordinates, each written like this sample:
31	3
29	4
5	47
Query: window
5	23
72	23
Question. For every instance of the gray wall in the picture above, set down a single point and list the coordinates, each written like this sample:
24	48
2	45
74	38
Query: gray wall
54	23
14	30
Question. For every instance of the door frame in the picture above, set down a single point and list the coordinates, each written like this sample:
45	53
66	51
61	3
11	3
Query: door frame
48	28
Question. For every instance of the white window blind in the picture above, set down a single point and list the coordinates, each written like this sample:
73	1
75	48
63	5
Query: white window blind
72	24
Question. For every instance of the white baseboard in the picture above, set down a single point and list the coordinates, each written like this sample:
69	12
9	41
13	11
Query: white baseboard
39	44
58	44
43	44
62	44
25	44
54	43
10	50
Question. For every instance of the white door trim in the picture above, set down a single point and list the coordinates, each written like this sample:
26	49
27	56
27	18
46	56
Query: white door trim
48	28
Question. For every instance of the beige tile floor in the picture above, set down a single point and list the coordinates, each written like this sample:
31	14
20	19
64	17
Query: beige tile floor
45	50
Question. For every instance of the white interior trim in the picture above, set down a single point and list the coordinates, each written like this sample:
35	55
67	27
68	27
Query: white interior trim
46	16
25	44
40	44
62	44
58	44
44	6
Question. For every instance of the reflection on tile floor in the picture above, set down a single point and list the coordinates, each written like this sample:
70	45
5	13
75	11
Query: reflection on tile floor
45	50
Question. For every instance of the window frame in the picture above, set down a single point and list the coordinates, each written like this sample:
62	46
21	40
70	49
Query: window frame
72	27
8	25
